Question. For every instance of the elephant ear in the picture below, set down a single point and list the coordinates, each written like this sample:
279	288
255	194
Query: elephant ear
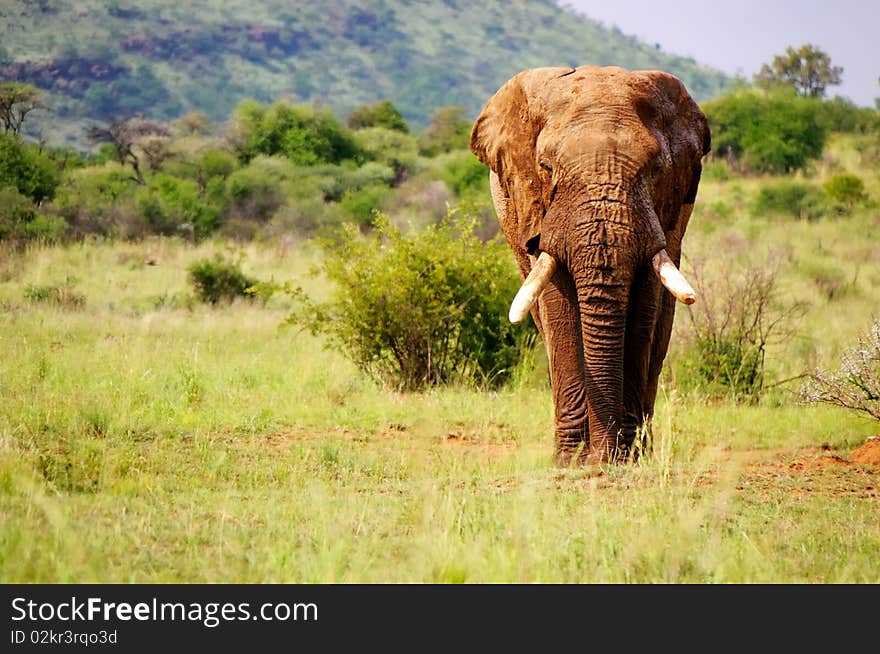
504	137
675	117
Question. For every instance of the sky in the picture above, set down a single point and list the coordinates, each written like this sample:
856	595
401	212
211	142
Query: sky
738	36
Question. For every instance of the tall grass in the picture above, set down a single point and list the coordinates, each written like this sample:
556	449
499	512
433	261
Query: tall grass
145	437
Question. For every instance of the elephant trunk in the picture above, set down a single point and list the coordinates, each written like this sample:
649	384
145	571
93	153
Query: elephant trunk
603	295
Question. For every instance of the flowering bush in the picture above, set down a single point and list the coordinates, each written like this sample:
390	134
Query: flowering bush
856	385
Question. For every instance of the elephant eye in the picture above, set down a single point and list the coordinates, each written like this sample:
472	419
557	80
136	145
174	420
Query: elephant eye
546	167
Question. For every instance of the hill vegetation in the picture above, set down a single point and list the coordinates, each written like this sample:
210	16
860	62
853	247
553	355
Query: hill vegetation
109	59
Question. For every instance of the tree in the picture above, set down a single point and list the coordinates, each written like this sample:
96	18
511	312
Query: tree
449	130
382	114
132	138
807	69
17	100
305	135
767	131
194	123
24	168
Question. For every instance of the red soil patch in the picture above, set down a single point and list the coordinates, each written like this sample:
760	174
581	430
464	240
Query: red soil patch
818	462
869	453
810	471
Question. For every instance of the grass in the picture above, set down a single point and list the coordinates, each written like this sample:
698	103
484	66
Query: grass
145	437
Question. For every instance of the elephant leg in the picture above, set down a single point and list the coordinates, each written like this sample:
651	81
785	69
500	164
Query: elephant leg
663	329
557	317
646	310
560	317
646	362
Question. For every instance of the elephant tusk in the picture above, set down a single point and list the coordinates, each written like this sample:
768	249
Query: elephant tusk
532	288
672	279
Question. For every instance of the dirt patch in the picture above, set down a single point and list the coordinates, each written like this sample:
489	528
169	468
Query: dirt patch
809	471
818	462
869	453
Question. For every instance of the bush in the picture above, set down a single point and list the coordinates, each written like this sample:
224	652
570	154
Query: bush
219	279
465	175
63	295
204	165
26	169
305	216
842	115
803	201
856	385
16	211
361	204
846	189
255	192
90	199
170	205
774	132
422	309
382	114
398	151
449	130
738	313
305	135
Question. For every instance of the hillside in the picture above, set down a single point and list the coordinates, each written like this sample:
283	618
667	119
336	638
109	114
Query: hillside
102	59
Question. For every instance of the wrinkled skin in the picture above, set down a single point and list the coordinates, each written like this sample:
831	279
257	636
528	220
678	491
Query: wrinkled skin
598	167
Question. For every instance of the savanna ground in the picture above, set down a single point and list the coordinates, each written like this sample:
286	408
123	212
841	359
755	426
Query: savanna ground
147	438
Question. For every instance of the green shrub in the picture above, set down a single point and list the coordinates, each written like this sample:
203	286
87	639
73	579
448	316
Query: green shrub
219	279
91	199
215	163
398	151
305	216
465	175
305	135
724	366
773	132
382	114
803	201
25	168
16	211
360	205
201	164
170	205
739	313
846	189
843	115
256	191
63	295
45	228
449	130
420	309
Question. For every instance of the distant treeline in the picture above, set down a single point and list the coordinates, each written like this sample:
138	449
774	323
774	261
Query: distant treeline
282	168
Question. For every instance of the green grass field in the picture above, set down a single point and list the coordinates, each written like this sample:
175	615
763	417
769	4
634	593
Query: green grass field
147	438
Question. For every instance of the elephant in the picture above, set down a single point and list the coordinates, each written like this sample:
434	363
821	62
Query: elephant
594	174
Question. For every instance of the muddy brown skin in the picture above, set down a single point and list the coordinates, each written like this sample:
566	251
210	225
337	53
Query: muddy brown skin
598	167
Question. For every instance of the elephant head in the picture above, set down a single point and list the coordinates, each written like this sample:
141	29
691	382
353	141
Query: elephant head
594	172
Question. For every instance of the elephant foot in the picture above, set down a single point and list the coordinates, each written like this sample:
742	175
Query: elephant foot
572	448
614	450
